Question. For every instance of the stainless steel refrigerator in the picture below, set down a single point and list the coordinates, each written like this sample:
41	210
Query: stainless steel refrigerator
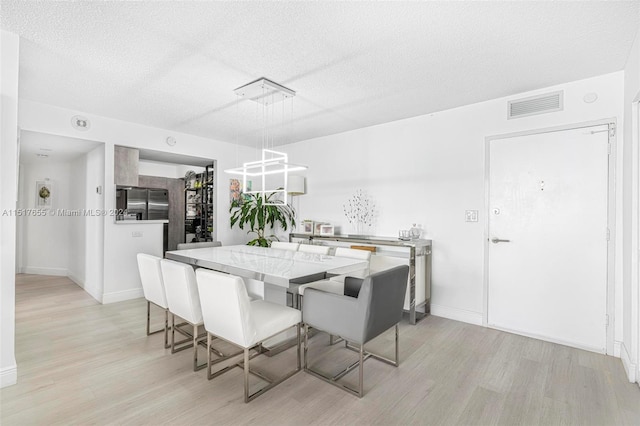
142	204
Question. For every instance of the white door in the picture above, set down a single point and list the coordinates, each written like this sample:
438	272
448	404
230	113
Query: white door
548	198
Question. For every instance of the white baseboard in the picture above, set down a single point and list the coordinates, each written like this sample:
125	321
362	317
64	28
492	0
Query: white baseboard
59	272
629	366
550	339
87	288
9	376
119	296
76	280
463	315
93	292
616	348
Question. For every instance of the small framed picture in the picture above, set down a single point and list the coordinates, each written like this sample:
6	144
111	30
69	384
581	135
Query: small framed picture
316	227
44	194
306	227
326	230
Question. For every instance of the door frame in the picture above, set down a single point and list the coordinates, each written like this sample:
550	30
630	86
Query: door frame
611	218
635	244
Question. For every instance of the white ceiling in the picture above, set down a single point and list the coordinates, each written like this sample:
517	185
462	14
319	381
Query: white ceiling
58	149
174	65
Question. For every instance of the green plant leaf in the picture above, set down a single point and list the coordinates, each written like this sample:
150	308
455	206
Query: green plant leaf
257	216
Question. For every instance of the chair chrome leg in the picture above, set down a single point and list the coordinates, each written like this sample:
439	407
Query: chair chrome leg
298	346
363	355
397	346
166	329
361	378
306	344
195	348
148	316
208	355
246	375
173	334
160	330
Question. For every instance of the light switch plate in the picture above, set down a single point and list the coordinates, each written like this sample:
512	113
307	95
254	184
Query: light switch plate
471	215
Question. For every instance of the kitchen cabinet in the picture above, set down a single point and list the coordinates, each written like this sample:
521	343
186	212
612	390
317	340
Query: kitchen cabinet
125	166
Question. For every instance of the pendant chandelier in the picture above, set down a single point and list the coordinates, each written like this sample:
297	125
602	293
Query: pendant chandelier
271	171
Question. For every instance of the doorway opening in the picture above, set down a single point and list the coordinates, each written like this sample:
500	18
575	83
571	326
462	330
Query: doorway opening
60	193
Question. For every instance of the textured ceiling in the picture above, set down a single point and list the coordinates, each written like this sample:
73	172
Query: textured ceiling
58	149
174	65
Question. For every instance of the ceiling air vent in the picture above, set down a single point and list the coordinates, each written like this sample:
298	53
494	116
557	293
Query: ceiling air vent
534	105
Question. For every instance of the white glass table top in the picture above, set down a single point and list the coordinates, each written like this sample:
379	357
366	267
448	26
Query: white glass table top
269	265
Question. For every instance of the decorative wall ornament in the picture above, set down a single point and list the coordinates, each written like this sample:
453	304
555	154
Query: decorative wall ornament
44	194
359	211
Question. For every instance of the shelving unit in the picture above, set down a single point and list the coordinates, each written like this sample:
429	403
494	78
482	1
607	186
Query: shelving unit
198	198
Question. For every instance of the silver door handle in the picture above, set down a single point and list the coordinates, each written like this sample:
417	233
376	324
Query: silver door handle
498	240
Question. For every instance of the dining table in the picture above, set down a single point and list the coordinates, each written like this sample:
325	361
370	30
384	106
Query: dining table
277	269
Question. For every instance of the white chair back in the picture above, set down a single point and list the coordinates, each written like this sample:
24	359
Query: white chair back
151	277
182	290
281	245
226	309
353	253
185	246
311	248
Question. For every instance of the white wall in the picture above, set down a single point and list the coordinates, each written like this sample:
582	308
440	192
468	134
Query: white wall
120	279
152	168
9	57
429	170
77	200
630	351
94	225
172	171
46	240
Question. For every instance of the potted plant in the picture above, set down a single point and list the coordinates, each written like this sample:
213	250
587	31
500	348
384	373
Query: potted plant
250	210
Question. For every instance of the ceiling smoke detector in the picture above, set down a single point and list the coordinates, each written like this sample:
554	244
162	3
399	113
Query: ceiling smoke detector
80	123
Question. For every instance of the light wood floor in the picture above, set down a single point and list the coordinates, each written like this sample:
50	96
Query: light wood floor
80	362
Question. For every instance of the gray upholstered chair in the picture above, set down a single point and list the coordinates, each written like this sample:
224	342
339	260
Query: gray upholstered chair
377	307
202	244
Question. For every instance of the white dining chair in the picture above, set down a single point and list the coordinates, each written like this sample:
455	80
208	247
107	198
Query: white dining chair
315	249
153	289
311	250
283	245
183	300
230	315
335	284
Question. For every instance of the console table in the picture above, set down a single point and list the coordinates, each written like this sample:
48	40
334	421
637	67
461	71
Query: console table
416	248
